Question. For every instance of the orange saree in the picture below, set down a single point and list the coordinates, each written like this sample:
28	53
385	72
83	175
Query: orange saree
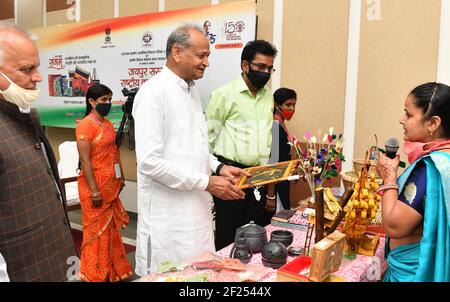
103	256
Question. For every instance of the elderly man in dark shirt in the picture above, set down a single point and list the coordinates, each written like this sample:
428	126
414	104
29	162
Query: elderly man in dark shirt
35	236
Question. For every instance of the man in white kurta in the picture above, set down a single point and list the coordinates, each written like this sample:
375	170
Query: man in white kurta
174	164
3	271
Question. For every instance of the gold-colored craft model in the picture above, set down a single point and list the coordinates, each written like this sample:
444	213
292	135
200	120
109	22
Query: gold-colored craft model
263	175
361	209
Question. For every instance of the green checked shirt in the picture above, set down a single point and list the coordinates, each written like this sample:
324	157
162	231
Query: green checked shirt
239	124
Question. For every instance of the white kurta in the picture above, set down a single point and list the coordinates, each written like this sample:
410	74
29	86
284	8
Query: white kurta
3	271
173	169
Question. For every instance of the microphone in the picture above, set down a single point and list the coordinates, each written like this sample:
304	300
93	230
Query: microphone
391	146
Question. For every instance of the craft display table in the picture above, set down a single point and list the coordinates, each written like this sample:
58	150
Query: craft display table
360	269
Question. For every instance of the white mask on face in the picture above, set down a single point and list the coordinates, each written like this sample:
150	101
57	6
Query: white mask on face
19	96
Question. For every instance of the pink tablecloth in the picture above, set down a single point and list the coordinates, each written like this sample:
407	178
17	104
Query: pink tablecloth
363	268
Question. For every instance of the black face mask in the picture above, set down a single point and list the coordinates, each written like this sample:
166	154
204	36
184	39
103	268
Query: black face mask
103	108
258	79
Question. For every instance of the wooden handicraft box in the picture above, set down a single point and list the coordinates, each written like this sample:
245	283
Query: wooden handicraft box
327	256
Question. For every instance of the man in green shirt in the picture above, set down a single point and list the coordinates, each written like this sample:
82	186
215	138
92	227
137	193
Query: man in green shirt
239	118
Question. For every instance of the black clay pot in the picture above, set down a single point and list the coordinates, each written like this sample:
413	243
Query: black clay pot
283	236
241	250
274	254
255	236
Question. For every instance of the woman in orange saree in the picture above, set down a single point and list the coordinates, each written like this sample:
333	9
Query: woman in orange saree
103	256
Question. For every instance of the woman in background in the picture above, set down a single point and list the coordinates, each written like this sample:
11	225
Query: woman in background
416	206
285	101
103	256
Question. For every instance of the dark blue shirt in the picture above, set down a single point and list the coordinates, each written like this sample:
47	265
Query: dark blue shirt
413	193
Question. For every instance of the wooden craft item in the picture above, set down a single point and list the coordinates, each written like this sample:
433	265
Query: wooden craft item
268	174
323	229
319	214
367	246
362	209
327	256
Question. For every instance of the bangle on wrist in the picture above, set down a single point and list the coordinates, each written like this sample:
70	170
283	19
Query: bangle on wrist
219	167
385	187
271	197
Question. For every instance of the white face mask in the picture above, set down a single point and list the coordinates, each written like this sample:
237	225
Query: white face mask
20	96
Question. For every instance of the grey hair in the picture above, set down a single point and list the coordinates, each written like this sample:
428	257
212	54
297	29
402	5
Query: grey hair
181	37
6	26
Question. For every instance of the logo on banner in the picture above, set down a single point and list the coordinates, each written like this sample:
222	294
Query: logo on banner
147	39
108	43
56	63
107	35
233	30
210	35
231	34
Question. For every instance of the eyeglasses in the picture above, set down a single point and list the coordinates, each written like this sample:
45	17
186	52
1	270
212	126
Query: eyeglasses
264	67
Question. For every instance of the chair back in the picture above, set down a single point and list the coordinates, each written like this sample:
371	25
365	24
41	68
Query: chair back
67	168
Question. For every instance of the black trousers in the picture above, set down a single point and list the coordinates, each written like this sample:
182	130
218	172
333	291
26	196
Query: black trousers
232	214
283	189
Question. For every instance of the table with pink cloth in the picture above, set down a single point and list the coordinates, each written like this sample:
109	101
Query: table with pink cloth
360	269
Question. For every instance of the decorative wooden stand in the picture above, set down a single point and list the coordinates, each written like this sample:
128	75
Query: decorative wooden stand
367	246
319	215
321	230
309	232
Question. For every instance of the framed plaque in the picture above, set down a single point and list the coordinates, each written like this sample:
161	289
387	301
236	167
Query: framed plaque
263	175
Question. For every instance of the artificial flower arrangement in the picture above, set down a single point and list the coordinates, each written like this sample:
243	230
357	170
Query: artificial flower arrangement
320	160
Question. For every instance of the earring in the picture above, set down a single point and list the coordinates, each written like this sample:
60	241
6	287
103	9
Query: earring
431	133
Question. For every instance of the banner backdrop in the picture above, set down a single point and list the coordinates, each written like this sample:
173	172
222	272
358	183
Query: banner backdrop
125	52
